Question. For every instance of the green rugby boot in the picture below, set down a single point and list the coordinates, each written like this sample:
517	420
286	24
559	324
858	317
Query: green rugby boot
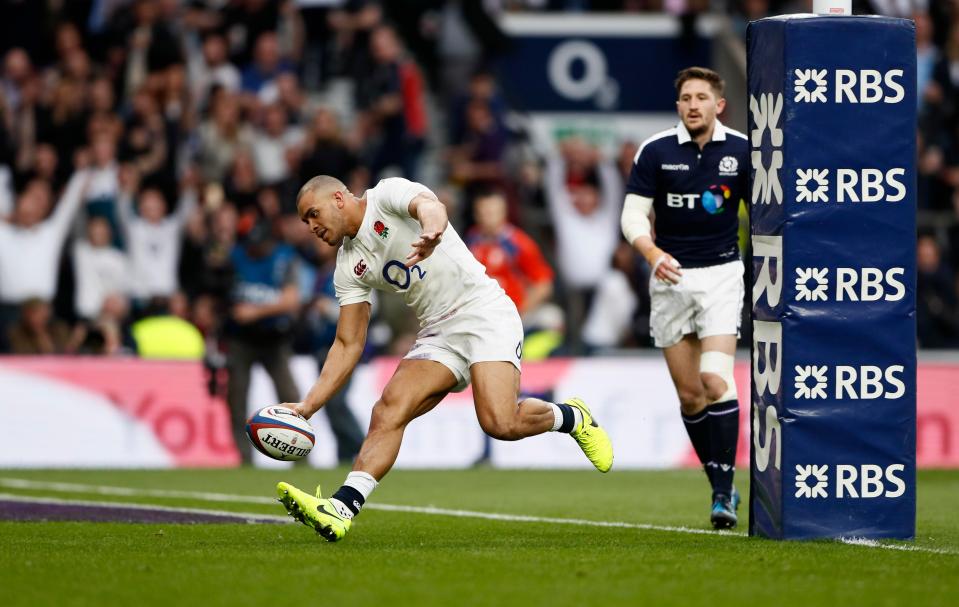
592	439
315	512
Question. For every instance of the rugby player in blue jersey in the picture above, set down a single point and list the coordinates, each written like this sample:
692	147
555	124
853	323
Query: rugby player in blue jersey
692	178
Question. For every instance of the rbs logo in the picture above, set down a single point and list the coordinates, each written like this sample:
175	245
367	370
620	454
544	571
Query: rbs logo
867	382
865	481
849	86
850	185
852	284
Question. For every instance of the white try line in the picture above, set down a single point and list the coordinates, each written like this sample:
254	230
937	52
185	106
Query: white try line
16	483
249	517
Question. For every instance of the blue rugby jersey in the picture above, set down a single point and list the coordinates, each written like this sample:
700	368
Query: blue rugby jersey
695	193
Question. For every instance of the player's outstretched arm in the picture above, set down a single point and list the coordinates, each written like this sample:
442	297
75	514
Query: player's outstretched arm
431	213
342	358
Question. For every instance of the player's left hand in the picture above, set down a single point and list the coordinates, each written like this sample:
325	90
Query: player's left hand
423	247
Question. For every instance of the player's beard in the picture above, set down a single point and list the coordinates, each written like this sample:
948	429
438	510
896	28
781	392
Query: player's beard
696	132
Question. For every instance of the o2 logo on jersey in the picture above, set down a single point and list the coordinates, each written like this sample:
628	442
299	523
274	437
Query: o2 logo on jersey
714	197
397	274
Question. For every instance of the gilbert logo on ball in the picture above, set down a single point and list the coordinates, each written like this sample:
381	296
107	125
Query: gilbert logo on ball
280	433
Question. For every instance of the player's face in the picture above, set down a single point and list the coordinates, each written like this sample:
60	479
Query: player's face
323	214
698	106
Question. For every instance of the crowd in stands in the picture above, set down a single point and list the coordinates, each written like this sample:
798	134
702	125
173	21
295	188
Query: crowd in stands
151	151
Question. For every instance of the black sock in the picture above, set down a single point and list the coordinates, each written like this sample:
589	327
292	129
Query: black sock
723	426
569	418
350	497
697	427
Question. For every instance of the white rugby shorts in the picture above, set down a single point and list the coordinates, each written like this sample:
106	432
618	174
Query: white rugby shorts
481	333
707	301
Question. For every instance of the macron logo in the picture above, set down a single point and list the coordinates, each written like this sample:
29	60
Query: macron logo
675	167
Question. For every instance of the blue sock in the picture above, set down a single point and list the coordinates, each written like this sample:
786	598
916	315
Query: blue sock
723	425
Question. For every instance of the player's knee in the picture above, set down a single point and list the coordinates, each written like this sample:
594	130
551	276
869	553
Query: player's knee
716	372
388	414
500	427
691	400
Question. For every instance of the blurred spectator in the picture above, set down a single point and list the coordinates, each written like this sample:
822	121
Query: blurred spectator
211	69
259	77
37	331
585	195
221	136
325	152
352	24
936	302
610	318
99	269
102	192
482	87
153	237
262	304
109	334
391	101
272	145
478	163
35	235
241	186
145	144
510	256
926	55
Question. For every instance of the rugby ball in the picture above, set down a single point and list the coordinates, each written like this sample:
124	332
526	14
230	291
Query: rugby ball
280	433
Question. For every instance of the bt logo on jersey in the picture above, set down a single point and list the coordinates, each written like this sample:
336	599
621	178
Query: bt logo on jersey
712	199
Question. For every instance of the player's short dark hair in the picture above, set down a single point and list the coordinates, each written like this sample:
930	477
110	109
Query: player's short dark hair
701	73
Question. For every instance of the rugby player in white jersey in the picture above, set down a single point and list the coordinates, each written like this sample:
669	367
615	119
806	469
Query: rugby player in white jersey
396	238
692	177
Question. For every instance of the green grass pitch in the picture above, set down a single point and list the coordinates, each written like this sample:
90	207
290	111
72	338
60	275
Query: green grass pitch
422	559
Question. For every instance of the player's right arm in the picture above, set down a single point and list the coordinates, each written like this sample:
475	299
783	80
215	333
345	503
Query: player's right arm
342	358
635	218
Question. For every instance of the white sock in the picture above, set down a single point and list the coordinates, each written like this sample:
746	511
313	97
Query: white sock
362	482
557	417
578	417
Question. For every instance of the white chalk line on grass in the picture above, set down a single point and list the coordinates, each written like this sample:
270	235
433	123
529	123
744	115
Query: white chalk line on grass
251	517
17	483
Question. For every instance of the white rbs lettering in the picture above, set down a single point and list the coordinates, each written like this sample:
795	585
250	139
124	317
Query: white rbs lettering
870	185
869	382
869	86
873	285
871	483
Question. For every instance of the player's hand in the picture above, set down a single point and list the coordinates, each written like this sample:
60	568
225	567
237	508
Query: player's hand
666	269
299	408
423	247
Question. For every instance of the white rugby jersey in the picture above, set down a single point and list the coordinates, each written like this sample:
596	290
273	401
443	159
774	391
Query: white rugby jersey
375	258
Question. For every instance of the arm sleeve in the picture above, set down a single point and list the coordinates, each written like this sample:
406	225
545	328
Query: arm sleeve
348	289
642	177
397	194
